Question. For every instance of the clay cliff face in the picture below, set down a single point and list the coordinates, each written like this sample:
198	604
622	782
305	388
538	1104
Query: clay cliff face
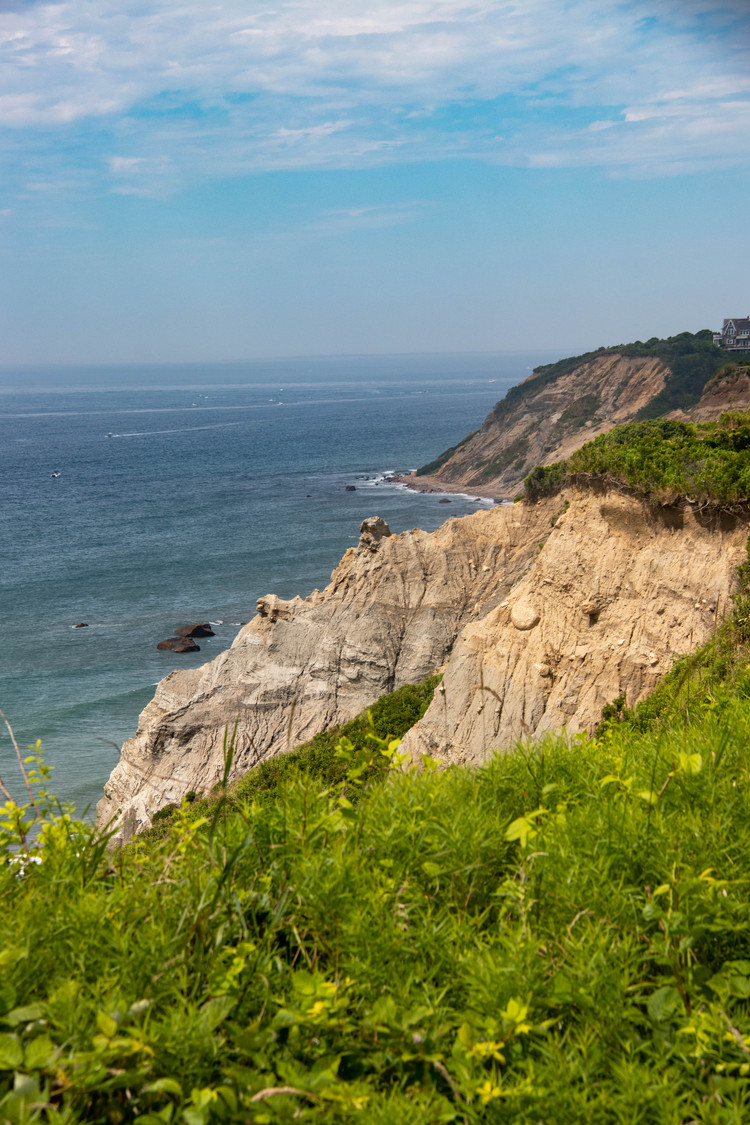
619	590
390	616
548	423
540	613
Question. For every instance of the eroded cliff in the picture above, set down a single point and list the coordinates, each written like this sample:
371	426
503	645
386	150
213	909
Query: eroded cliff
620	589
390	616
541	613
545	420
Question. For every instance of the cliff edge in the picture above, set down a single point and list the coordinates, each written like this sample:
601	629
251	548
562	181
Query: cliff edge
541	613
390	616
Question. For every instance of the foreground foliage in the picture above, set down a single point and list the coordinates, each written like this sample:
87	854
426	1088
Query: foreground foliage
560	936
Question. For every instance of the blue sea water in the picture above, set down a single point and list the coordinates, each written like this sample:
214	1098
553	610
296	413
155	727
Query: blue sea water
184	493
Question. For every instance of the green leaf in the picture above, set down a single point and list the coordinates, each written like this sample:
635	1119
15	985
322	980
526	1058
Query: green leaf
7	997
39	1052
216	1010
27	1014
664	1003
164	1086
11	1052
562	989
523	827
106	1024
432	869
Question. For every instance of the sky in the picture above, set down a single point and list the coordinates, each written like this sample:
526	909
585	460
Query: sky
226	179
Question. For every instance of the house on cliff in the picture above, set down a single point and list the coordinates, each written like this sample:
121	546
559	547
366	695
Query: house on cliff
735	334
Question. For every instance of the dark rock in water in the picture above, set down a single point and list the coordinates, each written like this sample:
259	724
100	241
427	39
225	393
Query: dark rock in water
445	501
201	630
81	625
178	644
351	488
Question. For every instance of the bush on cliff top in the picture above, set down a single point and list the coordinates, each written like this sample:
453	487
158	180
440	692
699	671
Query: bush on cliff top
708	462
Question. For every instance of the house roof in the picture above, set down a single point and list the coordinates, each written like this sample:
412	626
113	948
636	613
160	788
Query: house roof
741	323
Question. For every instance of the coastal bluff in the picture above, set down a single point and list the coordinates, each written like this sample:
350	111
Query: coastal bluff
390	616
539	614
562	405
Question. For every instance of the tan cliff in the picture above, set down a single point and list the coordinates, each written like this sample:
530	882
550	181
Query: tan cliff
545	422
390	616
620	589
540	614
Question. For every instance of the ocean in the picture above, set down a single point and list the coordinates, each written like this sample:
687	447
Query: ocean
139	499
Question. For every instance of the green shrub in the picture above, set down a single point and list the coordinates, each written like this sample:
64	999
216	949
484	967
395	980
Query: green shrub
708	462
433	466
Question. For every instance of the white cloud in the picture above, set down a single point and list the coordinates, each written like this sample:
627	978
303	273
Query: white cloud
189	90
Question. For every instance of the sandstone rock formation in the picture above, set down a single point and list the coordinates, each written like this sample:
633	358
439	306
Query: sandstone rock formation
619	590
540	613
390	616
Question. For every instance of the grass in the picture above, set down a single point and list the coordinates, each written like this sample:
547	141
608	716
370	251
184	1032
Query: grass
390	717
707	462
559	936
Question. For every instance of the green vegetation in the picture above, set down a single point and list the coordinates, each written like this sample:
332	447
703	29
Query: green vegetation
708	462
514	454
560	936
580	410
692	361
691	357
390	717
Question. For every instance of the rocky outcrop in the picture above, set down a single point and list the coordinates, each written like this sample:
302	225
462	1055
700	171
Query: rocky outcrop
619	590
202	629
540	614
545	421
390	616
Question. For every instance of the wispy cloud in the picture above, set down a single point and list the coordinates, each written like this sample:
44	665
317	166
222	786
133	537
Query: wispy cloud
180	92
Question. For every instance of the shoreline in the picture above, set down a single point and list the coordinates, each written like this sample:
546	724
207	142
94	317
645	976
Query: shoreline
435	484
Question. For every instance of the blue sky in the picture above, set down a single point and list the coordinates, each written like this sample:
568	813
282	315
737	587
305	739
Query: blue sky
197	180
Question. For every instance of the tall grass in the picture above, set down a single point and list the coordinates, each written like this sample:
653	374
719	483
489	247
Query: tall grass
560	936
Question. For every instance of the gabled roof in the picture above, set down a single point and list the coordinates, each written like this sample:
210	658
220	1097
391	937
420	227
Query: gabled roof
741	323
